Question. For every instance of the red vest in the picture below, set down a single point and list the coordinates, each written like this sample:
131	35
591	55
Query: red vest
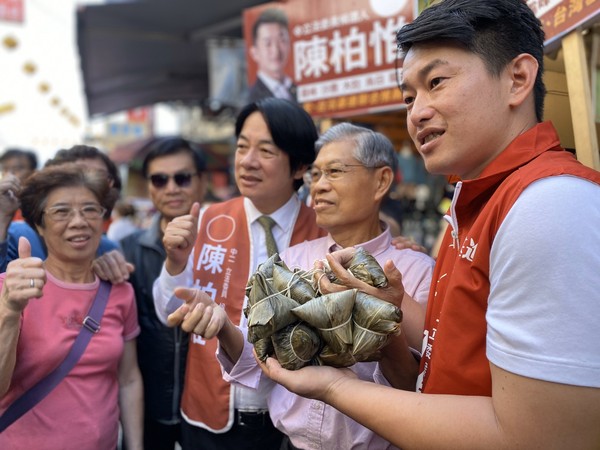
222	258
454	348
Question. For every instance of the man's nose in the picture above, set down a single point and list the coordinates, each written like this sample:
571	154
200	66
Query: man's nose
420	110
250	159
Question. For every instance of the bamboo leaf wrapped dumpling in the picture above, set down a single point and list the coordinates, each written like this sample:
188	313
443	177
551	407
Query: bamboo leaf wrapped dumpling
264	348
265	269
376	314
296	345
364	267
294	284
270	314
331	314
259	289
328	357
374	320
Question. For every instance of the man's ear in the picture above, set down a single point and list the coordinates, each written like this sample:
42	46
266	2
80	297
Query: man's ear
298	174
522	71
384	177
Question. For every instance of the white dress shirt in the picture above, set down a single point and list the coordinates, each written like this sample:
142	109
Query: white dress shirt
165	303
280	89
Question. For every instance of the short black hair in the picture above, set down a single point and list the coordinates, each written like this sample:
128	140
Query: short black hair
496	30
170	145
29	155
291	127
269	15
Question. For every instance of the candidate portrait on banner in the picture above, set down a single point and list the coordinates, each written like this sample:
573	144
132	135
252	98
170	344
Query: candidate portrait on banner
270	50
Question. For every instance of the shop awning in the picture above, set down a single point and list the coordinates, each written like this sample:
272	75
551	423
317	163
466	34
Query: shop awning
139	53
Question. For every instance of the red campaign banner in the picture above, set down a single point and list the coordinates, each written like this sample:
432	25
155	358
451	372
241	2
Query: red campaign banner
342	55
560	17
12	11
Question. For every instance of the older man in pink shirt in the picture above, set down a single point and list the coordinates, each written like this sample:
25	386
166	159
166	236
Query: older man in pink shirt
351	176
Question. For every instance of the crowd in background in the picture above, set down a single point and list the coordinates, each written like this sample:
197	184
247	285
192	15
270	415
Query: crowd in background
176	178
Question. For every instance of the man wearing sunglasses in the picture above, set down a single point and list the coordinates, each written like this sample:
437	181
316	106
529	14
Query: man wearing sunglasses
175	170
218	251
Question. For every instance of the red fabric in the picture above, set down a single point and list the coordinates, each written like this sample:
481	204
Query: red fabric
18	215
454	359
224	231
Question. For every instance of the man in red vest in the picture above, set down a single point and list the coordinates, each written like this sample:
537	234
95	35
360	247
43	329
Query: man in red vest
511	352
218	251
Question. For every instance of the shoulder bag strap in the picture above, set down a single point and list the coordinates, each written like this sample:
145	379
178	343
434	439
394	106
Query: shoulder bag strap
91	325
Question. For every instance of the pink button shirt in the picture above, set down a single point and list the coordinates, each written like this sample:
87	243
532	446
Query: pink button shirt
311	424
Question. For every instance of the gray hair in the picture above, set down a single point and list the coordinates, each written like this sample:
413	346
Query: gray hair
372	149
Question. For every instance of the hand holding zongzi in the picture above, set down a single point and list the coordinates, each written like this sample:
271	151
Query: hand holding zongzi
392	292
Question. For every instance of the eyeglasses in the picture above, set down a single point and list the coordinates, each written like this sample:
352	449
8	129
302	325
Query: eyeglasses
182	179
62	213
335	172
13	169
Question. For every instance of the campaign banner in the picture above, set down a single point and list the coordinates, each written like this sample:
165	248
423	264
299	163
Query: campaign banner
11	11
560	17
336	58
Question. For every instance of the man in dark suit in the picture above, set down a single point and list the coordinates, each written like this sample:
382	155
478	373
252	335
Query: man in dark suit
270	50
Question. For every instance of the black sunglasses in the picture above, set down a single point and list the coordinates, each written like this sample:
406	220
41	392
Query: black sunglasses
182	179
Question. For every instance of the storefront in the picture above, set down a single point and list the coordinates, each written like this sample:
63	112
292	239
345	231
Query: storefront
572	63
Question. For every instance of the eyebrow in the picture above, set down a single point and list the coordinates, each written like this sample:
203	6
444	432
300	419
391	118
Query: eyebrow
261	142
334	161
71	205
426	70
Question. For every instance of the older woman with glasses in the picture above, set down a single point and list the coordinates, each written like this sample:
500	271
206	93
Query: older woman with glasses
351	176
46	306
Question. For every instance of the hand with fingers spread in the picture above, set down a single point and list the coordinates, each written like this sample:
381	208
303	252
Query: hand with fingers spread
25	279
113	267
179	239
397	363
402	242
392	293
413	312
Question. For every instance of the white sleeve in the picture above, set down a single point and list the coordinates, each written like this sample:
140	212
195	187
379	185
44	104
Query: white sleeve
544	301
162	290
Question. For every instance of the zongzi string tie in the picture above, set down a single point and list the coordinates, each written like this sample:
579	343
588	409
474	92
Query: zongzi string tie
319	281
274	294
292	349
366	330
287	289
338	326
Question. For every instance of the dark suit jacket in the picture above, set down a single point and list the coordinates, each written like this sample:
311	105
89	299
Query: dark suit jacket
260	90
